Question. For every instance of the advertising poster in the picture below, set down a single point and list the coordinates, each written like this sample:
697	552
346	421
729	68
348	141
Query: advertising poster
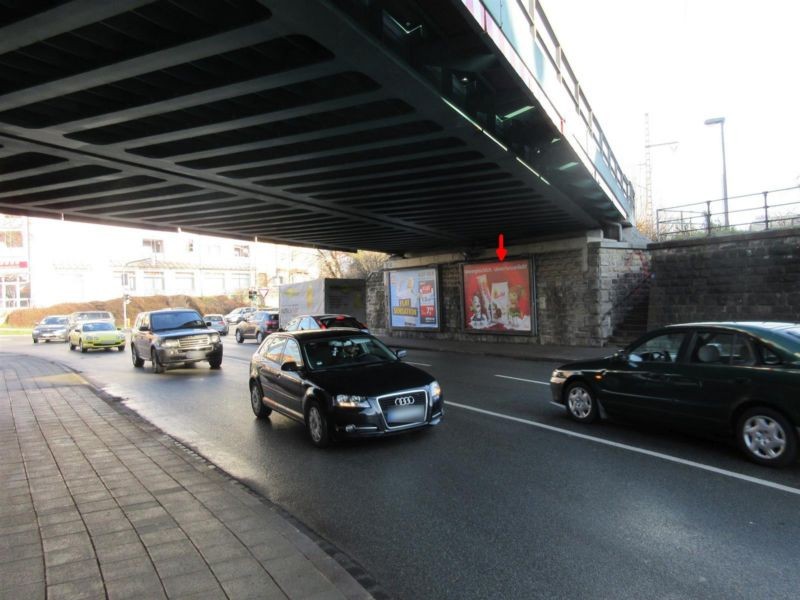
413	299
497	297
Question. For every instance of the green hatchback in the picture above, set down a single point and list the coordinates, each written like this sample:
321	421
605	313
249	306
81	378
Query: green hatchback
738	379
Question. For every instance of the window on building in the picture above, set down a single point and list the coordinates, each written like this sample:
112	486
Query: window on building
241	250
155	246
128	281
214	283
240	281
190	246
153	281
184	281
11	239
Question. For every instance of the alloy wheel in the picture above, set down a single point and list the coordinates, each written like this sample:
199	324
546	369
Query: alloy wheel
764	437
579	402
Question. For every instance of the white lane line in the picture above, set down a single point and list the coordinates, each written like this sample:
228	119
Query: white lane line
418	364
521	379
674	459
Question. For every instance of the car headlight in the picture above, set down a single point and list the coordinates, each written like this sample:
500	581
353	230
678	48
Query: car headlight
436	391
91	338
214	338
169	343
348	401
61	331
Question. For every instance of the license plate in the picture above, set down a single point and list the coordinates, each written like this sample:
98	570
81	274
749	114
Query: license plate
195	355
405	414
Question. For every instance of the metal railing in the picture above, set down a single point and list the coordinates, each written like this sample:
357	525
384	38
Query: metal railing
544	60
773	209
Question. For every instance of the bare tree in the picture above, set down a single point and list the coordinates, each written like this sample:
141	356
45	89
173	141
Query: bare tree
333	263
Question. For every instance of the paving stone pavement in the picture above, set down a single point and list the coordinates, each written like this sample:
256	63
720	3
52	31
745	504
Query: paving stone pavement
97	504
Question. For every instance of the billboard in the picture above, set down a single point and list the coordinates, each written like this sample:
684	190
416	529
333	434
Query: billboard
498	297
414	299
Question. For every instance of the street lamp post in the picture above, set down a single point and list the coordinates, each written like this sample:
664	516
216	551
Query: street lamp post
721	122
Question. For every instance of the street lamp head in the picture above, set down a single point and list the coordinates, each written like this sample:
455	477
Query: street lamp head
715	121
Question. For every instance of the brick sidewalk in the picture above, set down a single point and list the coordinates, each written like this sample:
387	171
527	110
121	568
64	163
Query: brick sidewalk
98	504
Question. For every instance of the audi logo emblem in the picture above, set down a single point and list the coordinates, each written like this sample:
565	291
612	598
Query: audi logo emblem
404	401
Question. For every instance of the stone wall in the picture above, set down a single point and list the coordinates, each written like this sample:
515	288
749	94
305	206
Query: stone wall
753	276
579	285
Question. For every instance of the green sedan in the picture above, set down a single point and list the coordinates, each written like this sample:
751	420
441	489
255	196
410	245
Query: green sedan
739	379
96	334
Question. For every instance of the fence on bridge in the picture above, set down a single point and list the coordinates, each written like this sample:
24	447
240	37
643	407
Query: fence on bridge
773	209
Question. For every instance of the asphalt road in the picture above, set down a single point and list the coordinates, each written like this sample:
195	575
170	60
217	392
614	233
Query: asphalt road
506	499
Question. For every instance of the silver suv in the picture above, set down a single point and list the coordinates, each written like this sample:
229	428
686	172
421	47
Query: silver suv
173	337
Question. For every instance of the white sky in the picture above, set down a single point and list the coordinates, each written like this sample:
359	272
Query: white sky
684	61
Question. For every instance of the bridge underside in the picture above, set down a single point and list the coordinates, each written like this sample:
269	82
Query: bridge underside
328	124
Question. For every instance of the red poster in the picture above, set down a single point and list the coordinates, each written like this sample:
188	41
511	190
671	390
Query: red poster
497	296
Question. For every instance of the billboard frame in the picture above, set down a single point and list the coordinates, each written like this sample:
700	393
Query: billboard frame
437	295
531	290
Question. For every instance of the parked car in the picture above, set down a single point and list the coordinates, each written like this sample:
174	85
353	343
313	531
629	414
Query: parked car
738	379
51	329
341	383
311	322
217	323
89	335
171	337
237	315
257	325
89	315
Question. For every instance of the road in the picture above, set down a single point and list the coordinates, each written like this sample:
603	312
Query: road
506	499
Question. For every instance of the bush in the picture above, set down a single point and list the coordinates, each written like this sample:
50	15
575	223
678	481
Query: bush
28	317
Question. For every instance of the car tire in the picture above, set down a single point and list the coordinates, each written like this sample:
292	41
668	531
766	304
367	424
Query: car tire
121	348
259	338
581	403
71	346
137	362
260	410
215	363
767	437
157	367
239	337
35	340
317	425
82	347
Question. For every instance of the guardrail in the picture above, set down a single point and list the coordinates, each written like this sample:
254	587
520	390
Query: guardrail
538	48
761	211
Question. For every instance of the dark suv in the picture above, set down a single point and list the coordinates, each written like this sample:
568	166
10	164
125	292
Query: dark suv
172	337
257	325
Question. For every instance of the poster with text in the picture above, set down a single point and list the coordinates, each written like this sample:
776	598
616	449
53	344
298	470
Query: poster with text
497	297
413	299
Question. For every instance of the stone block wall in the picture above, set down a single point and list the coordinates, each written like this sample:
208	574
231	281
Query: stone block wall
751	277
577	285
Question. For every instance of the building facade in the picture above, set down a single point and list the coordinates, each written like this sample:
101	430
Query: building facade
45	262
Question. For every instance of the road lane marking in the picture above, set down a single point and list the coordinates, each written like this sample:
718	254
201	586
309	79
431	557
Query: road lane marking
418	364
521	379
667	457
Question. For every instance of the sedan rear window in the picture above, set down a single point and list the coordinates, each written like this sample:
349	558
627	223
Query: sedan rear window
341	322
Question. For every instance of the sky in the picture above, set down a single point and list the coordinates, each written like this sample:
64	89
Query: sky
682	62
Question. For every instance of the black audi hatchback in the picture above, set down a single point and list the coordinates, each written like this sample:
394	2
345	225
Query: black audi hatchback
736	379
341	383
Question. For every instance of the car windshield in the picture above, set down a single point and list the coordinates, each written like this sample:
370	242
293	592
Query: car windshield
214	318
341	321
346	351
179	319
98	327
54	321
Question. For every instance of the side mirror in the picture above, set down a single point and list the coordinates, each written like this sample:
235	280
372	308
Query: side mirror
290	366
401	353
620	355
144	328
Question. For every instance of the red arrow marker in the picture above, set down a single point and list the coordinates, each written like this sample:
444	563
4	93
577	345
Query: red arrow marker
501	251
